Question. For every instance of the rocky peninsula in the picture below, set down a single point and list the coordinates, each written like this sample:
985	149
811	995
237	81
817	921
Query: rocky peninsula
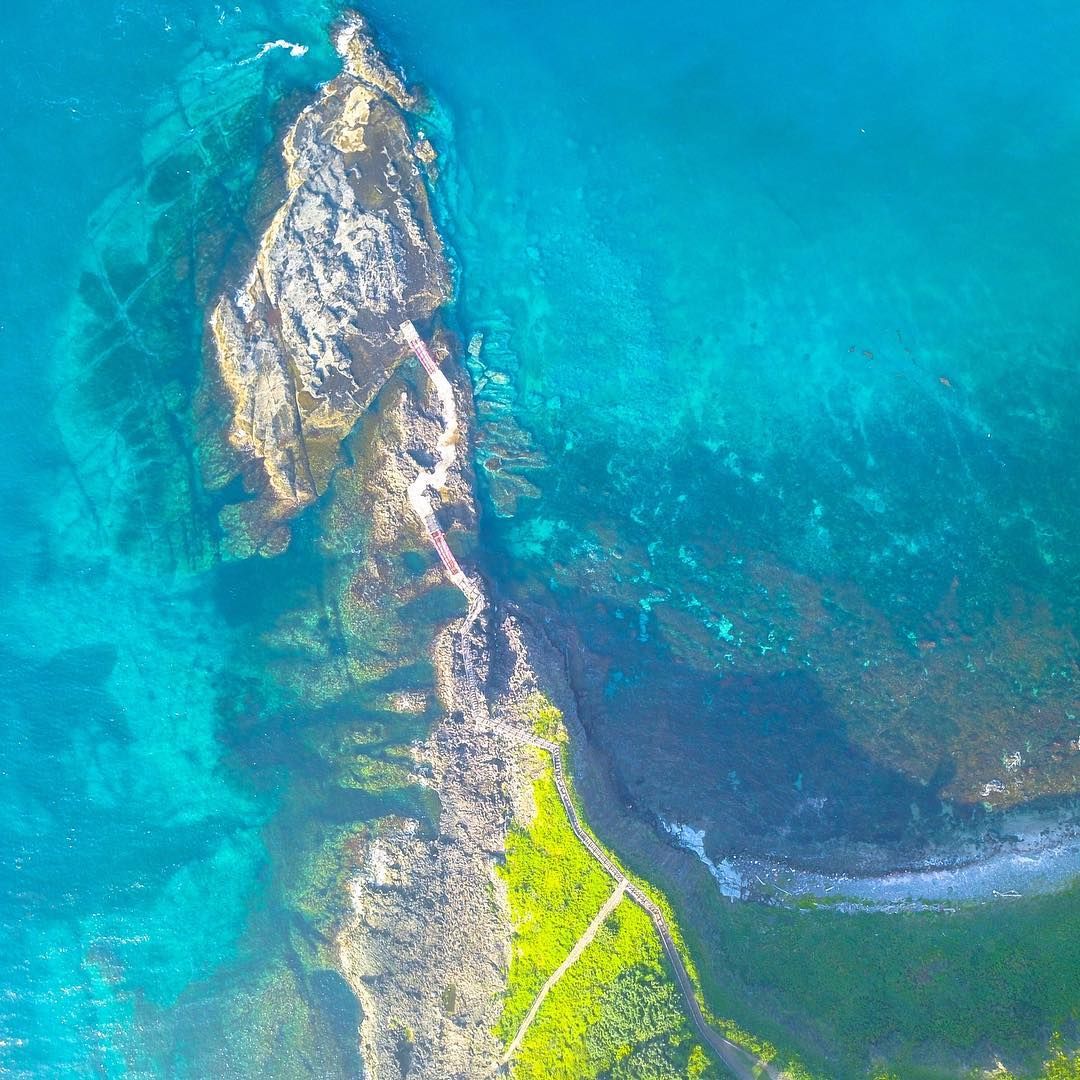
307	352
426	941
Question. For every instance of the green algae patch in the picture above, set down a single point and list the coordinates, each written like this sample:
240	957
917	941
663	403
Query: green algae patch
377	776
555	889
615	1013
317	889
274	1023
543	718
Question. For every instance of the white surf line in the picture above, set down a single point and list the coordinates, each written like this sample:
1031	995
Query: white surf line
1033	863
580	946
281	43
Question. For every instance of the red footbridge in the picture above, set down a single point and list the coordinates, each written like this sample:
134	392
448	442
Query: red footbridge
418	346
438	539
434	530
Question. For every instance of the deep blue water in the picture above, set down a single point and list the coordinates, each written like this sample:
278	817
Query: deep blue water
681	233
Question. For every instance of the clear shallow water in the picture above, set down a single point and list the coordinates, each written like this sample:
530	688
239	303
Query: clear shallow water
135	865
673	232
784	302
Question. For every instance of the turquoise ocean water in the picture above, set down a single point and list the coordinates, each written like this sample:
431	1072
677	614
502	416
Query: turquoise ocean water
779	381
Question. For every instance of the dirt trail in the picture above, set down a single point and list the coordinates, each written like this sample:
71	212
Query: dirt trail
580	946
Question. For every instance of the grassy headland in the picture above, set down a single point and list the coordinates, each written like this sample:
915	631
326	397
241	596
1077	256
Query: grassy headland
616	1012
555	890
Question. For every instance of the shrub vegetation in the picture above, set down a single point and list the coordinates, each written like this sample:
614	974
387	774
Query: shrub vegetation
555	890
616	1012
923	994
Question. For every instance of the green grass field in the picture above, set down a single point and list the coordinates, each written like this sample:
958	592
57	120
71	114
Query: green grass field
616	1012
555	890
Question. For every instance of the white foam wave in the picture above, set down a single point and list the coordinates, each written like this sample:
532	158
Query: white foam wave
281	43
724	872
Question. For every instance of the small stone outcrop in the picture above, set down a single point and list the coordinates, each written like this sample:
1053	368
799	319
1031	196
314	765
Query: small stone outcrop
306	340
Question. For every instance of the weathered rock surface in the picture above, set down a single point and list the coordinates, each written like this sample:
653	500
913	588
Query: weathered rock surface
305	342
427	949
426	944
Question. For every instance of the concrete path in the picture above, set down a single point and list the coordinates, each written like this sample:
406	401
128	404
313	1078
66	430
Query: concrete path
447	447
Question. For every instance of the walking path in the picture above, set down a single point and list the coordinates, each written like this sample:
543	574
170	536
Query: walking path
435	479
742	1064
580	946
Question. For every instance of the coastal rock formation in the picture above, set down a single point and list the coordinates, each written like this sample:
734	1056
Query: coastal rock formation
427	947
305	342
426	940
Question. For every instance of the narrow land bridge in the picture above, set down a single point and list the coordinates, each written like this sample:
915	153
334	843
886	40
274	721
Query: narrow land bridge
742	1064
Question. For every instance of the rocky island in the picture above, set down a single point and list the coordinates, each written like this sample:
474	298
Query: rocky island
309	335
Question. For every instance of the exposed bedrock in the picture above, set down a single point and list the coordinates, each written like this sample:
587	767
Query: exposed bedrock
426	937
305	340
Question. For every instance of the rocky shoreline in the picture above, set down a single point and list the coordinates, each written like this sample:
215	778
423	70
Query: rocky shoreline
427	946
305	349
426	943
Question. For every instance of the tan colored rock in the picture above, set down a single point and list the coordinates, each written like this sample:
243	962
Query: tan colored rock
305	342
425	151
427	948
